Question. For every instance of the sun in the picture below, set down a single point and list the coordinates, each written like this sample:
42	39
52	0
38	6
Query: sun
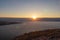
34	17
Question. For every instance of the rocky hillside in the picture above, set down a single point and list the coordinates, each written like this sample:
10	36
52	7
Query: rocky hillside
50	34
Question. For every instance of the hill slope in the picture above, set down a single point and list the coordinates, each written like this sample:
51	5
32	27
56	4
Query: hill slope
38	35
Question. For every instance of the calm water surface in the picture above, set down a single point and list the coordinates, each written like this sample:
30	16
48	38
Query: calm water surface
7	32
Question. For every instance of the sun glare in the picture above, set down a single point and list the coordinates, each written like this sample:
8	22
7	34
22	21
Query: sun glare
34	17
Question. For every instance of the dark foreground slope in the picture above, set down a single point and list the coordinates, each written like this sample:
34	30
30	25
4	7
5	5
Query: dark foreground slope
51	34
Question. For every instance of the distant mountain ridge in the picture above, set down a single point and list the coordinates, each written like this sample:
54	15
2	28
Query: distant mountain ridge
29	19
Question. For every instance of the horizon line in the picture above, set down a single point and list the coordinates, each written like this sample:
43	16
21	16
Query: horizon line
29	17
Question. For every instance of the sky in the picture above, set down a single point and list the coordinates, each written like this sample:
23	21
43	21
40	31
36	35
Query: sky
29	8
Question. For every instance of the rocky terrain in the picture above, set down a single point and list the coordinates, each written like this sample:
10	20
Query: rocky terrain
51	34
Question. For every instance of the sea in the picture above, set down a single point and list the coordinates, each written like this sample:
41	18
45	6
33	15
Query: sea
9	32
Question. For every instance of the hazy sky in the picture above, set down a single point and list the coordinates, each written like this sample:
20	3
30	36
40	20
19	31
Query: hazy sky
28	8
